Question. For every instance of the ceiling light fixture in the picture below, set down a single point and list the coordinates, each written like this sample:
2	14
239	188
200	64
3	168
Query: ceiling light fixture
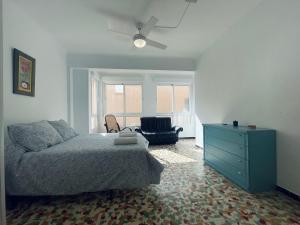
139	41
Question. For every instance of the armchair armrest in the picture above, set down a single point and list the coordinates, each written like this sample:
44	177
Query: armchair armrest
177	129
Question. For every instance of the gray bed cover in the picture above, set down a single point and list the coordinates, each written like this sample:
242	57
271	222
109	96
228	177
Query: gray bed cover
86	163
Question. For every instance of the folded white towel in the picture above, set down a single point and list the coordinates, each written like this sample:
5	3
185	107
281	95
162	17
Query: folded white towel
125	140
127	134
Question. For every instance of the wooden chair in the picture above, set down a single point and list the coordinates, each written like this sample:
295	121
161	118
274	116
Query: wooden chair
112	125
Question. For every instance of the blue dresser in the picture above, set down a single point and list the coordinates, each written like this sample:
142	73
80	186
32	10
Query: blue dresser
245	155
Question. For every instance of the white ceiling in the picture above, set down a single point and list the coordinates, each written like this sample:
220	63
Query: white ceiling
81	25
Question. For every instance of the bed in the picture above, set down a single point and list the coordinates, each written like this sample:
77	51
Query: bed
85	163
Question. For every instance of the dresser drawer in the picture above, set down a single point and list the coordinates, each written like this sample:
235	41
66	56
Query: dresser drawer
227	135
237	162
237	149
236	175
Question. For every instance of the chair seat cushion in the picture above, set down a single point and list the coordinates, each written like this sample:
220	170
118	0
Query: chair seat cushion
166	137
163	133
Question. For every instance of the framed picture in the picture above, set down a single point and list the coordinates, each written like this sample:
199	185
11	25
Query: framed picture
23	73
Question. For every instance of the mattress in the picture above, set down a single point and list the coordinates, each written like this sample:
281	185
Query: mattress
86	163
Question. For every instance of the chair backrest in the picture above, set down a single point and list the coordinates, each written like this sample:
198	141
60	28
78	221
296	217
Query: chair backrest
148	124
163	123
152	124
111	124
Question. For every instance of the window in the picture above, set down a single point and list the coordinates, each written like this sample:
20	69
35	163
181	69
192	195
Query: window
172	99
164	99
114	99
125	102
182	99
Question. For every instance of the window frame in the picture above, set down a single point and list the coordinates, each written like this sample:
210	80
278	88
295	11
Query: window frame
124	114
173	84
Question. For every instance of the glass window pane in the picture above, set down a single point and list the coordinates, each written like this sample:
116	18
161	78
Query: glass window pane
114	98
182	99
133	95
133	121
164	99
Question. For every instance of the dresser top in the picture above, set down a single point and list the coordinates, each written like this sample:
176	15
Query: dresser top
239	128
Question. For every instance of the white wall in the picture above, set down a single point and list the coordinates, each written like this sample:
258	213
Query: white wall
2	184
50	101
252	74
80	100
130	62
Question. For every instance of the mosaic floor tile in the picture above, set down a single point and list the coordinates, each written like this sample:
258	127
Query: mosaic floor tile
189	193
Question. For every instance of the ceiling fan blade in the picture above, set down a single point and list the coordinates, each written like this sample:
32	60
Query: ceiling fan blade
117	24
155	44
122	34
147	27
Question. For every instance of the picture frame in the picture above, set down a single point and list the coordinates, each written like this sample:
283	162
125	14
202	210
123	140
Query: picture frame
23	73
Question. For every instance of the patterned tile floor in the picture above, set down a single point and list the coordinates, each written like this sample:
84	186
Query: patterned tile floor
189	193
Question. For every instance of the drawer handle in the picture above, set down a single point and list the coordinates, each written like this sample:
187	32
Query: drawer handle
240	160
239	173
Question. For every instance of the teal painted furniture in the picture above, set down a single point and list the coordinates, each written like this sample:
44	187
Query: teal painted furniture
244	155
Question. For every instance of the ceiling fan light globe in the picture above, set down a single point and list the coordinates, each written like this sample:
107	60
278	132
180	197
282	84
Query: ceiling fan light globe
139	41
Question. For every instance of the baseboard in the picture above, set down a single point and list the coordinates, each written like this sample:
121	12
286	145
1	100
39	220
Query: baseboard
290	194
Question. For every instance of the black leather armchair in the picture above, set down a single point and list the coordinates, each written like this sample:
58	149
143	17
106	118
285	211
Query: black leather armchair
159	130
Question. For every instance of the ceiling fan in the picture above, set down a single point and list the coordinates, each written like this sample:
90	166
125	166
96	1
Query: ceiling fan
139	37
138	32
